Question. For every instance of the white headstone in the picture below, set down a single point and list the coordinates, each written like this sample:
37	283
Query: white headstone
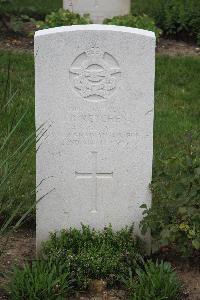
95	94
99	9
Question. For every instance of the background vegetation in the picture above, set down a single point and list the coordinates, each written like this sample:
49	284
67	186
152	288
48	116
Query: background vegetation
32	7
176	145
142	22
69	261
177	18
72	259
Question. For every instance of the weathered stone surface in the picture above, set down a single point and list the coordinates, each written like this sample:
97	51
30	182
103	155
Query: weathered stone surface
98	9
95	94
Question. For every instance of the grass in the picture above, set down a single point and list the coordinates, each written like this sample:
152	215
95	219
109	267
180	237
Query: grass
22	182
176	108
42	7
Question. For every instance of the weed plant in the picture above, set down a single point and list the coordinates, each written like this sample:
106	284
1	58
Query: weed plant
177	18
62	18
156	281
174	218
71	259
40	280
95	254
141	22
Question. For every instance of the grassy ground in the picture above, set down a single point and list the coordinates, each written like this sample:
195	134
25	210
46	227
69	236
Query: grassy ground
20	184
176	109
29	6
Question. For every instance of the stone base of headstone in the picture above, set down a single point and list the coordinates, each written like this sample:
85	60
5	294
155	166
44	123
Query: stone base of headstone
98	9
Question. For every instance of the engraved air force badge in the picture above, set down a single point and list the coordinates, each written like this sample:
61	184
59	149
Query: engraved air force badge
95	75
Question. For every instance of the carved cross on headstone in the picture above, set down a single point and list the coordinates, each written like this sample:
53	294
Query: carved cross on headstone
94	175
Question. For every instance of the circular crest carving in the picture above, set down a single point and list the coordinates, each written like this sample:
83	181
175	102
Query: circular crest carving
95	74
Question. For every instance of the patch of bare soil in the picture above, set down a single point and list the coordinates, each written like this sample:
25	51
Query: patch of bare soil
21	247
191	281
105	295
173	47
24	43
16	43
18	248
19	42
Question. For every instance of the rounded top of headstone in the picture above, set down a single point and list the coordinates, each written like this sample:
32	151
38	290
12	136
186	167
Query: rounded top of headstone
95	27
